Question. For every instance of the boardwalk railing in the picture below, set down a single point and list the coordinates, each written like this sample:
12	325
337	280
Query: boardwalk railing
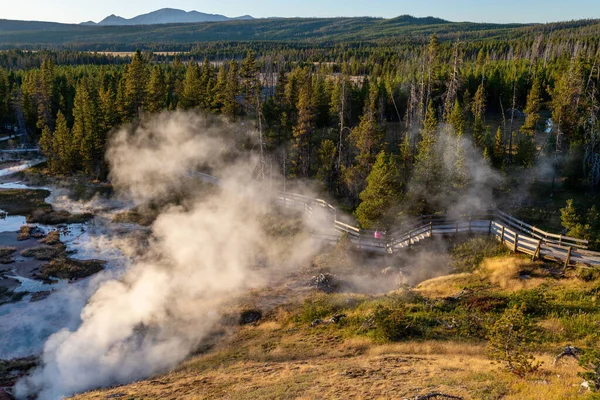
517	235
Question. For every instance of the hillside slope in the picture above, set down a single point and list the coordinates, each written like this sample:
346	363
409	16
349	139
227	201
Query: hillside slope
316	30
442	347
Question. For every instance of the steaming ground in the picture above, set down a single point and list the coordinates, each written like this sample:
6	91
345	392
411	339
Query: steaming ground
207	249
202	254
27	325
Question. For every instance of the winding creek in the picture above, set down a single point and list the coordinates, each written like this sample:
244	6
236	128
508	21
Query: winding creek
28	323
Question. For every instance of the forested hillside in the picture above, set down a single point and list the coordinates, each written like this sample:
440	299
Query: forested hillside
183	37
388	129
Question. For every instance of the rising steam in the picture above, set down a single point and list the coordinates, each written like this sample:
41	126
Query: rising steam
202	253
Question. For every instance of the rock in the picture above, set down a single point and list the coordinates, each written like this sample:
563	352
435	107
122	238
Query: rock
250	317
324	282
336	318
585	386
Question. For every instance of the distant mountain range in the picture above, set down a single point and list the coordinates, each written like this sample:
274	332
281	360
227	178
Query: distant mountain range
176	30
166	16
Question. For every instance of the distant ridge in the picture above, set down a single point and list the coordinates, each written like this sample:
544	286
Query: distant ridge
165	16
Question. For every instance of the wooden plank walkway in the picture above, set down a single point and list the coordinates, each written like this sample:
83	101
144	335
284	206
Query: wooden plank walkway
517	235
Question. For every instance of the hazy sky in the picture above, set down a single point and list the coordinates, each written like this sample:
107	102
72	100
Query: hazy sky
76	11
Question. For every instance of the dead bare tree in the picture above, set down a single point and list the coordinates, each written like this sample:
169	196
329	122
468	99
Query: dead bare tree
453	85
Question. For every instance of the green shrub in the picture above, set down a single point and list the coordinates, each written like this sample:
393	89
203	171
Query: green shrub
590	361
484	302
510	341
395	324
534	301
588	274
323	305
6	251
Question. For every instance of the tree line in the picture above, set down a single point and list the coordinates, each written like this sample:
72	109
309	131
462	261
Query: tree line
375	126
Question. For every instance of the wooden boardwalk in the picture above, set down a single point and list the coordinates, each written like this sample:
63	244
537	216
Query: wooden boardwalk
517	235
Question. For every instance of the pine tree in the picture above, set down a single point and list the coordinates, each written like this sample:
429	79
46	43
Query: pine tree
219	90
250	83
532	109
192	88
456	119
565	101
4	95
231	106
135	84
368	135
109	116
479	115
44	93
207	83
65	151
156	91
499	149
427	179
327	172
88	138
406	157
510	341
381	198
46	144
303	131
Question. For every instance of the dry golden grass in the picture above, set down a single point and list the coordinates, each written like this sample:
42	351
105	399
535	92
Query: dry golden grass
501	272
267	362
504	272
444	286
278	359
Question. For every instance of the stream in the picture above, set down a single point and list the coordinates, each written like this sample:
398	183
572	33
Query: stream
28	323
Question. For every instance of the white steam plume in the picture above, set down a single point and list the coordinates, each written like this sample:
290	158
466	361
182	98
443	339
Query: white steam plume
201	255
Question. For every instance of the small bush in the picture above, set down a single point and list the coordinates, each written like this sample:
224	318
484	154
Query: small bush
510	341
321	305
590	361
588	274
484	302
43	253
70	269
6	251
53	238
534	301
25	232
396	324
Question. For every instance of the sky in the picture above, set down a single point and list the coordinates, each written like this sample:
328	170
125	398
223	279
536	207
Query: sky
500	11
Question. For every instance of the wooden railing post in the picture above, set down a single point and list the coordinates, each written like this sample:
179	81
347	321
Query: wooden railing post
568	260
502	235
516	241
430	228
536	255
490	228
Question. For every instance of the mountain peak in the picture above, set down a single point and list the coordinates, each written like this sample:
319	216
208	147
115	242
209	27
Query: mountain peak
166	16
